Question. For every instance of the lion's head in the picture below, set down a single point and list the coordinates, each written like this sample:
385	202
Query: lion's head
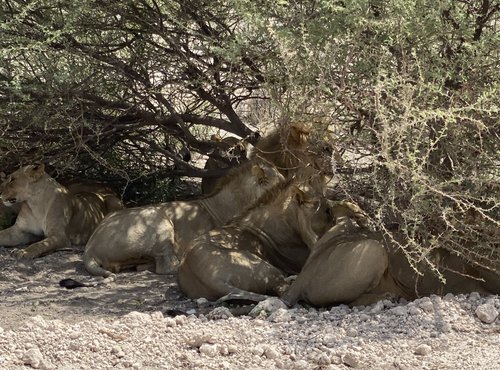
17	187
292	148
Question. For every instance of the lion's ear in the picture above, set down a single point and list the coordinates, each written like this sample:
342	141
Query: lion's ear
35	171
298	195
258	172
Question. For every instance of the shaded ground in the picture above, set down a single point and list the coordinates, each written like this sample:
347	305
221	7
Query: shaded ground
31	287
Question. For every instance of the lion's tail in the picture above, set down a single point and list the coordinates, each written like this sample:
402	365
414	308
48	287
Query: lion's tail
93	267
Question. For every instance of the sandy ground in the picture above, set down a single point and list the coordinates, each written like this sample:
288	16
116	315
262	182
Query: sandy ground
129	323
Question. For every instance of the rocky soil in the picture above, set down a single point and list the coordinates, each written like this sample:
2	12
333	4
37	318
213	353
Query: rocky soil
130	323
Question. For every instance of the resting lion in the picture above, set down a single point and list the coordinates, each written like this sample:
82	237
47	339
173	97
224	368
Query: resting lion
355	266
159	233
248	258
50	212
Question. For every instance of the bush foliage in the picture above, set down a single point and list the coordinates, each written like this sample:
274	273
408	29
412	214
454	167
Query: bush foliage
406	90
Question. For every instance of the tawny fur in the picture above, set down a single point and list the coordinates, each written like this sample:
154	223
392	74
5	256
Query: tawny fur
159	233
50	212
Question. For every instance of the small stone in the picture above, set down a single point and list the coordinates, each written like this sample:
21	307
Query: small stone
414	311
209	350
449	297
350	360
301	365
364	317
351	332
271	353
330	340
192	311
474	296
200	339
399	310
487	313
423	349
257	351
427	306
280	315
335	359
377	307
267	306
181	319
34	358
220	313
201	302
322	359
170	322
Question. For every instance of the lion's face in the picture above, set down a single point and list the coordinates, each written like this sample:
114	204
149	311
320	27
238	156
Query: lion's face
16	187
265	176
312	213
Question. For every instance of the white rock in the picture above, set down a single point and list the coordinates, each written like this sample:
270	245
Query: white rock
201	302
474	296
350	360
322	359
301	365
271	353
423	349
414	311
377	307
170	322
268	306
427	306
399	310
487	313
257	351
219	313
351	332
280	315
209	350
34	358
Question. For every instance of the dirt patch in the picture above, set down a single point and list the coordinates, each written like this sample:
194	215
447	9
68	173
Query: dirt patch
126	323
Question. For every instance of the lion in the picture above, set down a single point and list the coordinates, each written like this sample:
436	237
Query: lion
250	258
235	149
50	212
353	265
159	233
290	148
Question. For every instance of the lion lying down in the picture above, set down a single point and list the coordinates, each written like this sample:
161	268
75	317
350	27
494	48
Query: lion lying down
248	258
159	233
352	265
50	211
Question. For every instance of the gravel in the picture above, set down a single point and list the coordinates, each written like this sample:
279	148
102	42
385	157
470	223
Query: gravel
126	324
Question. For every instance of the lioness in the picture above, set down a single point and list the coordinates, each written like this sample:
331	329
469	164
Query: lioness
48	210
159	233
355	266
291	148
248	258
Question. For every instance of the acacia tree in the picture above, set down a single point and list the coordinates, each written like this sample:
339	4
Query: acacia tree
128	83
407	90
